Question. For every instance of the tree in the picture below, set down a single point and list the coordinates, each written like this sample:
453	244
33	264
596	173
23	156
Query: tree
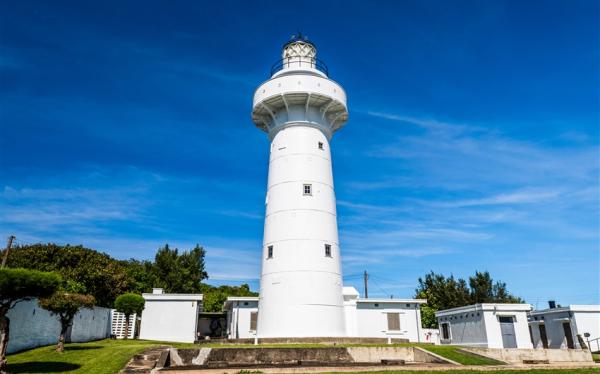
65	304
214	297
447	292
128	304
179	273
17	285
103	276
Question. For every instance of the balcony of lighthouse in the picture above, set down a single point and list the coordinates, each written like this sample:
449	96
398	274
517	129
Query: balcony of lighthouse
299	96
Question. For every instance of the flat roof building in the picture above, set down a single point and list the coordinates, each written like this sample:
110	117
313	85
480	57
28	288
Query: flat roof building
170	317
566	327
486	325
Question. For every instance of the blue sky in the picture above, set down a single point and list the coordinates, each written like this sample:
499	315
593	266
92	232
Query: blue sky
472	144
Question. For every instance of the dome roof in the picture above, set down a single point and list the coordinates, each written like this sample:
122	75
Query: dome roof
299	38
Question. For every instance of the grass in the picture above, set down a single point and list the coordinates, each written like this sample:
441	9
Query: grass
99	357
109	356
596	356
451	352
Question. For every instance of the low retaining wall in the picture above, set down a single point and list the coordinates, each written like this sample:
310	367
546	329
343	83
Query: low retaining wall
327	356
514	355
318	340
31	326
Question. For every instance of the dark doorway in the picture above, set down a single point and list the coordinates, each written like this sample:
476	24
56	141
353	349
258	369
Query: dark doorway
543	336
568	335
507	328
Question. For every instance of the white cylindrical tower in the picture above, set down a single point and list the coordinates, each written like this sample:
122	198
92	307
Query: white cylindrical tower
301	281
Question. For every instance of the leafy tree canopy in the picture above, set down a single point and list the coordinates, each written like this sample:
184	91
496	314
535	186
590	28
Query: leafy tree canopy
18	284
130	303
100	275
105	278
66	304
214	297
444	292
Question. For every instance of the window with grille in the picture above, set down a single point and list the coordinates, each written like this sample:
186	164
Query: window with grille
270	251
308	189
393	320
253	319
327	250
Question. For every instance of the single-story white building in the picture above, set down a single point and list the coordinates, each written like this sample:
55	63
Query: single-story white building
170	317
364	318
559	327
242	315
486	325
382	318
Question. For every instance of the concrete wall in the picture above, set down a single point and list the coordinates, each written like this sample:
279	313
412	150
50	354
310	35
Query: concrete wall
31	326
372	320
169	320
238	320
513	355
465	329
430	336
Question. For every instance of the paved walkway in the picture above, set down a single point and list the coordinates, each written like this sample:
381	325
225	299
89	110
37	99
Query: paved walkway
407	367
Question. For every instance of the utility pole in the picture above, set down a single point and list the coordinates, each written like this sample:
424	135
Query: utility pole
366	278
8	245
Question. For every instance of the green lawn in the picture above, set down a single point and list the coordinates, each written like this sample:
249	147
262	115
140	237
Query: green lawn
99	357
109	356
596	356
452	353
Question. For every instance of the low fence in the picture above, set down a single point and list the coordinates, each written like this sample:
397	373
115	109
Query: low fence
31	326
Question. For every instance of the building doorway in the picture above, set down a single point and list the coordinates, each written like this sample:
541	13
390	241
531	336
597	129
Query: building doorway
543	336
507	328
568	335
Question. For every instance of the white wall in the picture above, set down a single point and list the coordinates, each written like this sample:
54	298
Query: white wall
238	320
31	326
430	336
494	334
588	322
169	320
372	320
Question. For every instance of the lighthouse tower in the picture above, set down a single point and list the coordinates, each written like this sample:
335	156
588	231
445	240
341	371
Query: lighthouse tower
300	108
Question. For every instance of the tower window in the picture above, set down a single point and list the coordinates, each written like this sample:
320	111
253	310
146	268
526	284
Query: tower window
308	189
327	250
270	251
320	145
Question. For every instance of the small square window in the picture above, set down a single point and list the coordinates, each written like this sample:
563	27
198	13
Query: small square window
320	145
270	251
307	189
327	250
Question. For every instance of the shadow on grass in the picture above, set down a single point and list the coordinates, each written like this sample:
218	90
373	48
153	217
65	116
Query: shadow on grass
82	347
42	367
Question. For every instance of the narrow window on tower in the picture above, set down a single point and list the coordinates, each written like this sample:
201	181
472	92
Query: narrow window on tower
320	145
308	189
327	250
270	251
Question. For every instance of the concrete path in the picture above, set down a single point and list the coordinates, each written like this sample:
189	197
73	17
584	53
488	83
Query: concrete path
352	369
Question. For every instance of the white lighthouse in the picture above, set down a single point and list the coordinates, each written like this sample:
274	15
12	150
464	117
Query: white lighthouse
300	108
